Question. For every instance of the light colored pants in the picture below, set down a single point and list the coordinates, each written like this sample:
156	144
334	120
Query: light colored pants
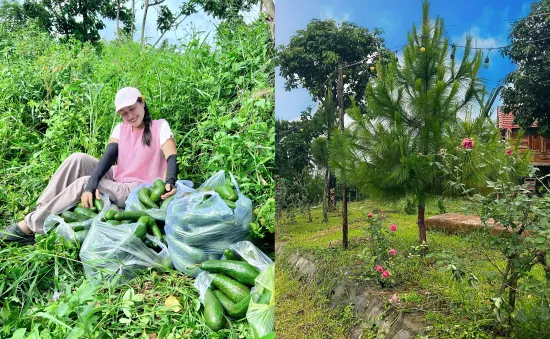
67	185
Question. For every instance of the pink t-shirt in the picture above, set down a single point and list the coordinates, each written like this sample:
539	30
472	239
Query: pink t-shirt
137	162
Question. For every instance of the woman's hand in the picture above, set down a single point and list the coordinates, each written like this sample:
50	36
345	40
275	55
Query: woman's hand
169	191
87	198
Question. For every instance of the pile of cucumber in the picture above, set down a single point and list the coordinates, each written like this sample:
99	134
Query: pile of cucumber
78	218
150	198
226	192
229	293
146	225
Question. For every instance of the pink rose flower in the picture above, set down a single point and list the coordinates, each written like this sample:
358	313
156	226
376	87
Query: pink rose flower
467	143
393	228
393	252
379	268
385	274
508	152
370	215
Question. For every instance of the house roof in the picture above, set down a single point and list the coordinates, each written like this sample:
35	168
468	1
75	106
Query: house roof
506	121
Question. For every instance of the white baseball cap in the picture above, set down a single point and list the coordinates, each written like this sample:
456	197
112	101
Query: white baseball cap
125	97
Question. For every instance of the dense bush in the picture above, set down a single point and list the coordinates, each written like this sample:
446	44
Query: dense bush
57	99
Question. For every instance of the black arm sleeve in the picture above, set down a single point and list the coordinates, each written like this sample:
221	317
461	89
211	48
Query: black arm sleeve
106	161
171	170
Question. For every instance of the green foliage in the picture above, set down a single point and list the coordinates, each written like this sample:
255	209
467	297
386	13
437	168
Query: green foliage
525	89
413	113
57	99
61	17
311	58
449	303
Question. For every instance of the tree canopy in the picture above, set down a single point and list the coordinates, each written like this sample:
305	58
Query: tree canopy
311	58
527	89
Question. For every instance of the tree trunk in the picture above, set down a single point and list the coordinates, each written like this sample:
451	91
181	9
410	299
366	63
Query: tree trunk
269	6
133	19
117	19
512	294
325	188
332	188
145	9
344	192
421	222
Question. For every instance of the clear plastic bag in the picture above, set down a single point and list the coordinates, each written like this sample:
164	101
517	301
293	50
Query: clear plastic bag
261	317
110	251
133	203
199	229
53	220
248	252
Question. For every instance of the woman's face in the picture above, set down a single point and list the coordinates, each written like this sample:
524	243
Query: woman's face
133	114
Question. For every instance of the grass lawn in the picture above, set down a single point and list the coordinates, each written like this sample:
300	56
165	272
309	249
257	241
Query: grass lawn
455	300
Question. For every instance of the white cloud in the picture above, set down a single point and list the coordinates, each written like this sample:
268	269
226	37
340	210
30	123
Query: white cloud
328	13
479	40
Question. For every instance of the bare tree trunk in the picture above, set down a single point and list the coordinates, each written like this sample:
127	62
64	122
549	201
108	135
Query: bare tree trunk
269	6
117	19
344	191
325	188
133	19
145	9
421	222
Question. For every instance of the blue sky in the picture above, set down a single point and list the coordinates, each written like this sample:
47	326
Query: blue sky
487	21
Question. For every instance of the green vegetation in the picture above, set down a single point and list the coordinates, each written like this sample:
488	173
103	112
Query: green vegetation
451	288
57	99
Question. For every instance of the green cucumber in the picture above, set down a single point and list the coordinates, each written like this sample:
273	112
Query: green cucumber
98	204
110	215
230	203
226	192
156	194
230	255
80	236
76	226
69	216
147	220
265	297
241	271
144	196
166	202
156	232
159	183
113	222
213	312
233	289
91	208
141	231
85	212
234	310
130	215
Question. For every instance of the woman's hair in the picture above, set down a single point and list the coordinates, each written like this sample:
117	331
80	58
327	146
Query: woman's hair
146	138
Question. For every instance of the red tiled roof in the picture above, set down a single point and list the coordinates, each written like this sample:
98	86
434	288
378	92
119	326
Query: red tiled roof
506	121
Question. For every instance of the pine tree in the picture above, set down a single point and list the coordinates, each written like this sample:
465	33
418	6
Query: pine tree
411	105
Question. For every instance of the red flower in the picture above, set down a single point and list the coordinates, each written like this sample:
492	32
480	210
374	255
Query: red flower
379	268
508	152
393	228
467	143
385	274
370	215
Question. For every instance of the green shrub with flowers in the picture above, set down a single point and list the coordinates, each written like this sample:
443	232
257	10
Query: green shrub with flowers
381	257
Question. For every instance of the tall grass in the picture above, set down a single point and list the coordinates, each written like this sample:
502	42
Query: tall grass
57	99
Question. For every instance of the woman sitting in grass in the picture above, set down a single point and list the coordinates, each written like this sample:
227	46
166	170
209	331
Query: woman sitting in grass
144	150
